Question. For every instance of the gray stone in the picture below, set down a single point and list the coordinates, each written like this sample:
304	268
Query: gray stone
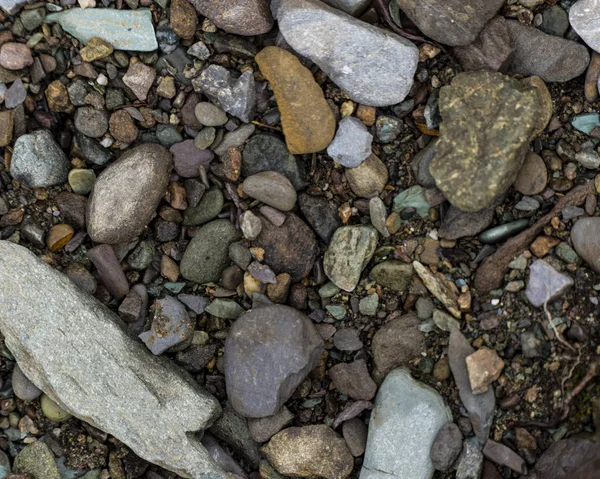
234	138
210	115
352	143
225	308
378	214
139	78
355	434
352	7
572	458
126	194
233	430
349	252
545	283
235	95
242	17
37	461
12	6
208	208
347	339
404	422
368	305
220	456
460	224
271	188
353	380
22	387
424	308
321	214
171	326
588	159
268	353
91	150
584	17
207	255
91	122
451	22
470	462
78	353
368	179
584	236
187	159
15	95
38	161
392	274
500	233
420	165
446	447
373	66
251	225
264	428
555	21
123	29
240	255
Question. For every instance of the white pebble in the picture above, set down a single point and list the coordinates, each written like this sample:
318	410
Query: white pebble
87	3
102	80
107	142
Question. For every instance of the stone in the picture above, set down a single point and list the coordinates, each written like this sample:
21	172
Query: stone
171	326
234	139
234	94
126	194
545	283
69	330
37	461
187	159
353	380
461	224
122	127
91	122
374	67
219	455
484	368
38	161
210	115
395	344
268	353
500	454
52	410
349	252
307	120
480	407
91	150
309	451
500	233
472	174
321	215
588	159
555	21
369	178
15	95
553	59
271	188
352	7
232	429
225	308
352	143
404	423
12	6
183	18
584	17
251	225
263	429
470	462
15	56
451	22
123	29
446	447
96	49
533	176
7	123
264	152
23	388
240	17
420	165
572	458
347	339
290	248
207	255
392	274
109	270
583	237
57	97
438	288
139	78
72	207
355	435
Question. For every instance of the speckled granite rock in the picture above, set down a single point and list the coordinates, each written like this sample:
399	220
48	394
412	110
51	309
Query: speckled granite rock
241	17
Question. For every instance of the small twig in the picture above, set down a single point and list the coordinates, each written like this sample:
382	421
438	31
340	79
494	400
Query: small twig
262	125
571	371
556	332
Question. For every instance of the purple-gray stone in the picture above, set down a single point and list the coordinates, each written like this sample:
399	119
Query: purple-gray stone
171	326
545	283
352	143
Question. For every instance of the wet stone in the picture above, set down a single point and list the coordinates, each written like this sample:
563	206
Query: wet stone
171	326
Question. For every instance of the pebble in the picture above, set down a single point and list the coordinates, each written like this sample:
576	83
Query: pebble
470	462
500	454
245	17
57	96
91	150
355	434
563	454
250	225
395	344
347	339
126	194
15	95
23	388
567	254
555	21
484	368
352	7
437	287
15	56
95	49
268	353
139	78
310	451
583	17
6	127
37	461
588	159
205	138
380	75
533	176
420	165
503	232
271	188
187	159
321	215
392	274
52	411
91	122
369	179
171	326
403	406
234	139
183	18
353	380
446	447
209	114
352	143
378	214
122	127
109	270
528	204
388	128
461	224
224	308
545	283
263	429
307	120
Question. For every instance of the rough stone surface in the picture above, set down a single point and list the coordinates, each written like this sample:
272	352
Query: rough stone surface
126	194
355	434
77	352
352	7
352	143
268	353
15	56
545	283
38	161
369	178
584	17
488	123
321	214
392	274
353	380
460	224
585	236
484	368
373	66
271	188
310	451
573	458
404	422
263	429
37	461
171	326
446	447
241	17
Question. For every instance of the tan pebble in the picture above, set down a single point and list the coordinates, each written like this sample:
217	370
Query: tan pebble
169	268
257	253
57	97
122	127
232	163
484	367
252	285
345	212
591	78
367	114
6	127
58	236
441	370
177	196
278	292
166	88
542	245
95	49
347	109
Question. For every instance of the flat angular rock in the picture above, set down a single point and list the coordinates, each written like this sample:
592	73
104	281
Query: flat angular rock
373	66
123	29
460	224
171	326
352	143
12	6
488	123
451	22
545	283
268	353
405	420
584	17
126	194
573	458
353	380
321	214
78	352
446	447
241	17
263	429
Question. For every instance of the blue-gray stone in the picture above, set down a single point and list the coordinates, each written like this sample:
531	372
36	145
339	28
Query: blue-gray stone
352	143
353	7
12	6
413	197
586	122
502	232
123	29
545	283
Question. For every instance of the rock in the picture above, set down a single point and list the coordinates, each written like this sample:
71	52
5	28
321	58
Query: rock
15	56
91	150
12	6
38	161
503	232
271	188
452	22
225	308
123	29
37	461
572	458
460	224
66	326
584	17
126	194
268	353
234	139
353	380
555	21
347	339
369	178
72	207
187	159
289	248
321	214
553	59
395	344
7	123
15	95
380	75
122	127
470	462
96	49
207	255
263	429
438	289
349	252
420	165
109	270
392	274
481	406
355	435
352	143
533	176
446	447
500	454
472	174
139	78
171	326
220	456
81	181
588	159
309	451
236	95
91	122
545	283
584	236
23	388
403	406
307	120
232	429
244	17
352	7
209	114
251	225
484	368
183	18
52	410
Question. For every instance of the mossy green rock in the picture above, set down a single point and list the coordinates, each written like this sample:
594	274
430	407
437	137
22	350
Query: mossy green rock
392	274
209	207
37	461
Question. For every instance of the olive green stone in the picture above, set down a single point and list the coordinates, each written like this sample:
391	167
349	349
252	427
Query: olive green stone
37	461
52	410
81	181
209	207
392	274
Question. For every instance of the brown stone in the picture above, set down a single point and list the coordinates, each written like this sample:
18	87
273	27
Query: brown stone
441	370
109	270
307	120
430	254
353	380
58	97
369	178
366	114
15	56
7	123
95	49
58	236
544	102
184	19
542	245
177	196
139	78
278	292
122	127
533	176
591	78
72	208
232	163
169	268
484	368
166	88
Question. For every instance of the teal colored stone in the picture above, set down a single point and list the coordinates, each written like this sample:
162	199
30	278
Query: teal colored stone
225	308
174	287
338	312
123	29
328	290
412	198
503	232
586	122
368	304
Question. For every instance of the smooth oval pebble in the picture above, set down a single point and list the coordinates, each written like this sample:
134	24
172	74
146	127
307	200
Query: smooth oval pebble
22	387
271	188
209	114
503	232
585	236
52	410
81	181
533	176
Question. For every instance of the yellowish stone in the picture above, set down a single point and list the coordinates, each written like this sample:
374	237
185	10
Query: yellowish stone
95	49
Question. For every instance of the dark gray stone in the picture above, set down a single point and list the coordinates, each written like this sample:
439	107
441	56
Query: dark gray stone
420	165
22	387
92	151
446	447
232	429
460	224
91	122
321	214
